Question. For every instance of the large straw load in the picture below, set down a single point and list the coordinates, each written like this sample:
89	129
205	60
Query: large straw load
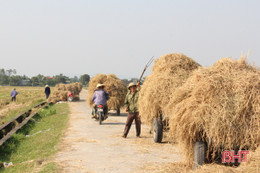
219	105
113	85
61	92
169	72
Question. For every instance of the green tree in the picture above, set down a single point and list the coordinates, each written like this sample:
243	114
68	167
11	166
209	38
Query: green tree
3	77
60	79
74	79
50	82
35	81
10	72
84	79
38	80
15	80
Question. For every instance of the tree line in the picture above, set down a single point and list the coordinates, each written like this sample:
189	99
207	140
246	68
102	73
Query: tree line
9	77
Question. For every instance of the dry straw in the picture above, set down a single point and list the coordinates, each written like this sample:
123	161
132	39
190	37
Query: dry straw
113	85
219	105
61	92
169	72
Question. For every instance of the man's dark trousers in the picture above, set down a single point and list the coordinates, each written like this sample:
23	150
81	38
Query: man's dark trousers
13	99
129	121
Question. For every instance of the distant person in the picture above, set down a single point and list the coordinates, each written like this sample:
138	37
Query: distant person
14	93
132	109
47	91
100	97
70	96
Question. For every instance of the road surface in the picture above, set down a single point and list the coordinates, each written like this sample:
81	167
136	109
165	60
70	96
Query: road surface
89	147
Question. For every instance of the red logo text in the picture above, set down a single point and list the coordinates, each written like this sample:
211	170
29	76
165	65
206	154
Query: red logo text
230	156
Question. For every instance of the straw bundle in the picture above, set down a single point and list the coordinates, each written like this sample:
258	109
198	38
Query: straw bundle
113	85
61	92
219	105
169	72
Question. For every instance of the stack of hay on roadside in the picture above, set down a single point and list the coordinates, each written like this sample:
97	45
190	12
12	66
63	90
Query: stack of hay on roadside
61	92
219	105
76	88
113	85
169	72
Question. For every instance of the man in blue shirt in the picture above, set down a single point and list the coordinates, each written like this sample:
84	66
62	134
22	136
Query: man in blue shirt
14	93
100	97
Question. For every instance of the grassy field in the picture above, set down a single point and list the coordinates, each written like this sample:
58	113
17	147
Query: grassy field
27	97
32	148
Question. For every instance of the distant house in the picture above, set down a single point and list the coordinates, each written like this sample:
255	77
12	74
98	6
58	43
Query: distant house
48	77
24	82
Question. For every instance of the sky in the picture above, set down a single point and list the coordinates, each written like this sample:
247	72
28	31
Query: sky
76	37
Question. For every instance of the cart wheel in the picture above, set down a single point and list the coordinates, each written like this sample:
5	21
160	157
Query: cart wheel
157	130
199	153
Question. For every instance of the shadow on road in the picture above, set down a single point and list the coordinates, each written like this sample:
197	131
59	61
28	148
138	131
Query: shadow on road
115	115
81	100
113	123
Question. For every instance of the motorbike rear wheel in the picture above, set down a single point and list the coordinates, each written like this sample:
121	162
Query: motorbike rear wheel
100	117
118	111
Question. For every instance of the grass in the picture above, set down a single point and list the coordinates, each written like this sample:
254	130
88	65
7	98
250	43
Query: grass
35	153
26	98
24	94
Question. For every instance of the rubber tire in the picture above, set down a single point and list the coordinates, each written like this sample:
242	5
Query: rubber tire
100	118
118	112
199	154
157	130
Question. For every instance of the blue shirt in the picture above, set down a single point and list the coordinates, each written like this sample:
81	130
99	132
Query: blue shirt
14	93
100	97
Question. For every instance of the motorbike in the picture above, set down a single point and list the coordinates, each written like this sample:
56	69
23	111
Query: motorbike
100	114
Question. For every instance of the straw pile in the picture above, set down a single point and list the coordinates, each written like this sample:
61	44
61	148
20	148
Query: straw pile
113	85
219	105
169	72
61	92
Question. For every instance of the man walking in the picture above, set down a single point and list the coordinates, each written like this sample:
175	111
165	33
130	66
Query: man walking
132	109
14	93
47	91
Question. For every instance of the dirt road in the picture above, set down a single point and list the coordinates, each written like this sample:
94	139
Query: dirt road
89	147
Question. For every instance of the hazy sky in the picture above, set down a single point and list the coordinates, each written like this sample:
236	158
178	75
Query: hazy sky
74	37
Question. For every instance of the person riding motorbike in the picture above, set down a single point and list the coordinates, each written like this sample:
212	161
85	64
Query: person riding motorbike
100	97
71	96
